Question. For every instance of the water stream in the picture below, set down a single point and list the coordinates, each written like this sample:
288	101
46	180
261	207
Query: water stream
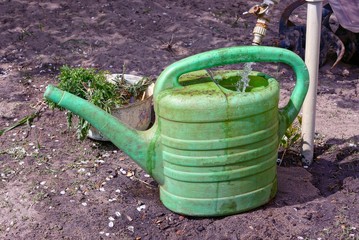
241	85
244	82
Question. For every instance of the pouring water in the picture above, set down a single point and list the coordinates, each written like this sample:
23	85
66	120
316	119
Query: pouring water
244	82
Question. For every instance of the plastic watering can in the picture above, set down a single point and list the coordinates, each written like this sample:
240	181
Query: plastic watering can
212	150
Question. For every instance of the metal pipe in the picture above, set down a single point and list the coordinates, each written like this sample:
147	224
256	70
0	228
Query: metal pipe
314	20
259	31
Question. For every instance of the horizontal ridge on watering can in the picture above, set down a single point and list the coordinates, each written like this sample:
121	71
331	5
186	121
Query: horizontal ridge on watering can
212	150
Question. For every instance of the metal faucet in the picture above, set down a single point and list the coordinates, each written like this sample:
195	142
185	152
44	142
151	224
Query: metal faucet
261	12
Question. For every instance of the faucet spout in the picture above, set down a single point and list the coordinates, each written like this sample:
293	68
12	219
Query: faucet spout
259	31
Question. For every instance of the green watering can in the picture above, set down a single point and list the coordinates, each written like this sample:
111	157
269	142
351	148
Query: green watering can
212	150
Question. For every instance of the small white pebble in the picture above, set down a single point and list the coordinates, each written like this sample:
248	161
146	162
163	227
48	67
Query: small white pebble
118	191
84	204
107	234
147	175
140	208
110	224
62	192
118	214
131	228
102	189
111	219
102	232
42	183
345	73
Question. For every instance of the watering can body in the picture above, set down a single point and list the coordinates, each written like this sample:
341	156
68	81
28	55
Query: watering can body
212	150
218	145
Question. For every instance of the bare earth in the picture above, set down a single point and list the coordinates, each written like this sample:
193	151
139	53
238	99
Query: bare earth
54	186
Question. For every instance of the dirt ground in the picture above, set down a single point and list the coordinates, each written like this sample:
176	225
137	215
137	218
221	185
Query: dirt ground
54	186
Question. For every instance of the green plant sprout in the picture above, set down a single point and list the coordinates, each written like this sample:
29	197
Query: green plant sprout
92	85
292	136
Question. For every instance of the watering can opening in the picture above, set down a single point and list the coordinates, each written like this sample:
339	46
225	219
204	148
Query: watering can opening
227	79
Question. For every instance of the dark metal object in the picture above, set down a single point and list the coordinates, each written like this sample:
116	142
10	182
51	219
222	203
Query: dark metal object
347	33
292	36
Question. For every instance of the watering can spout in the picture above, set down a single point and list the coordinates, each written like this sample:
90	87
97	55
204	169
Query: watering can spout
136	144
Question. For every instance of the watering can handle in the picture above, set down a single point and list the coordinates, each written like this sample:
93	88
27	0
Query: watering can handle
169	78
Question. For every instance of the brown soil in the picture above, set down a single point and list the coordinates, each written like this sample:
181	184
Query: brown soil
54	186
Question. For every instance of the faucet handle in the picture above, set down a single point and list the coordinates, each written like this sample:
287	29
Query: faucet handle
258	10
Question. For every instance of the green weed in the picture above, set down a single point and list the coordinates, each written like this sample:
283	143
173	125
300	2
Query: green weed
291	138
92	85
